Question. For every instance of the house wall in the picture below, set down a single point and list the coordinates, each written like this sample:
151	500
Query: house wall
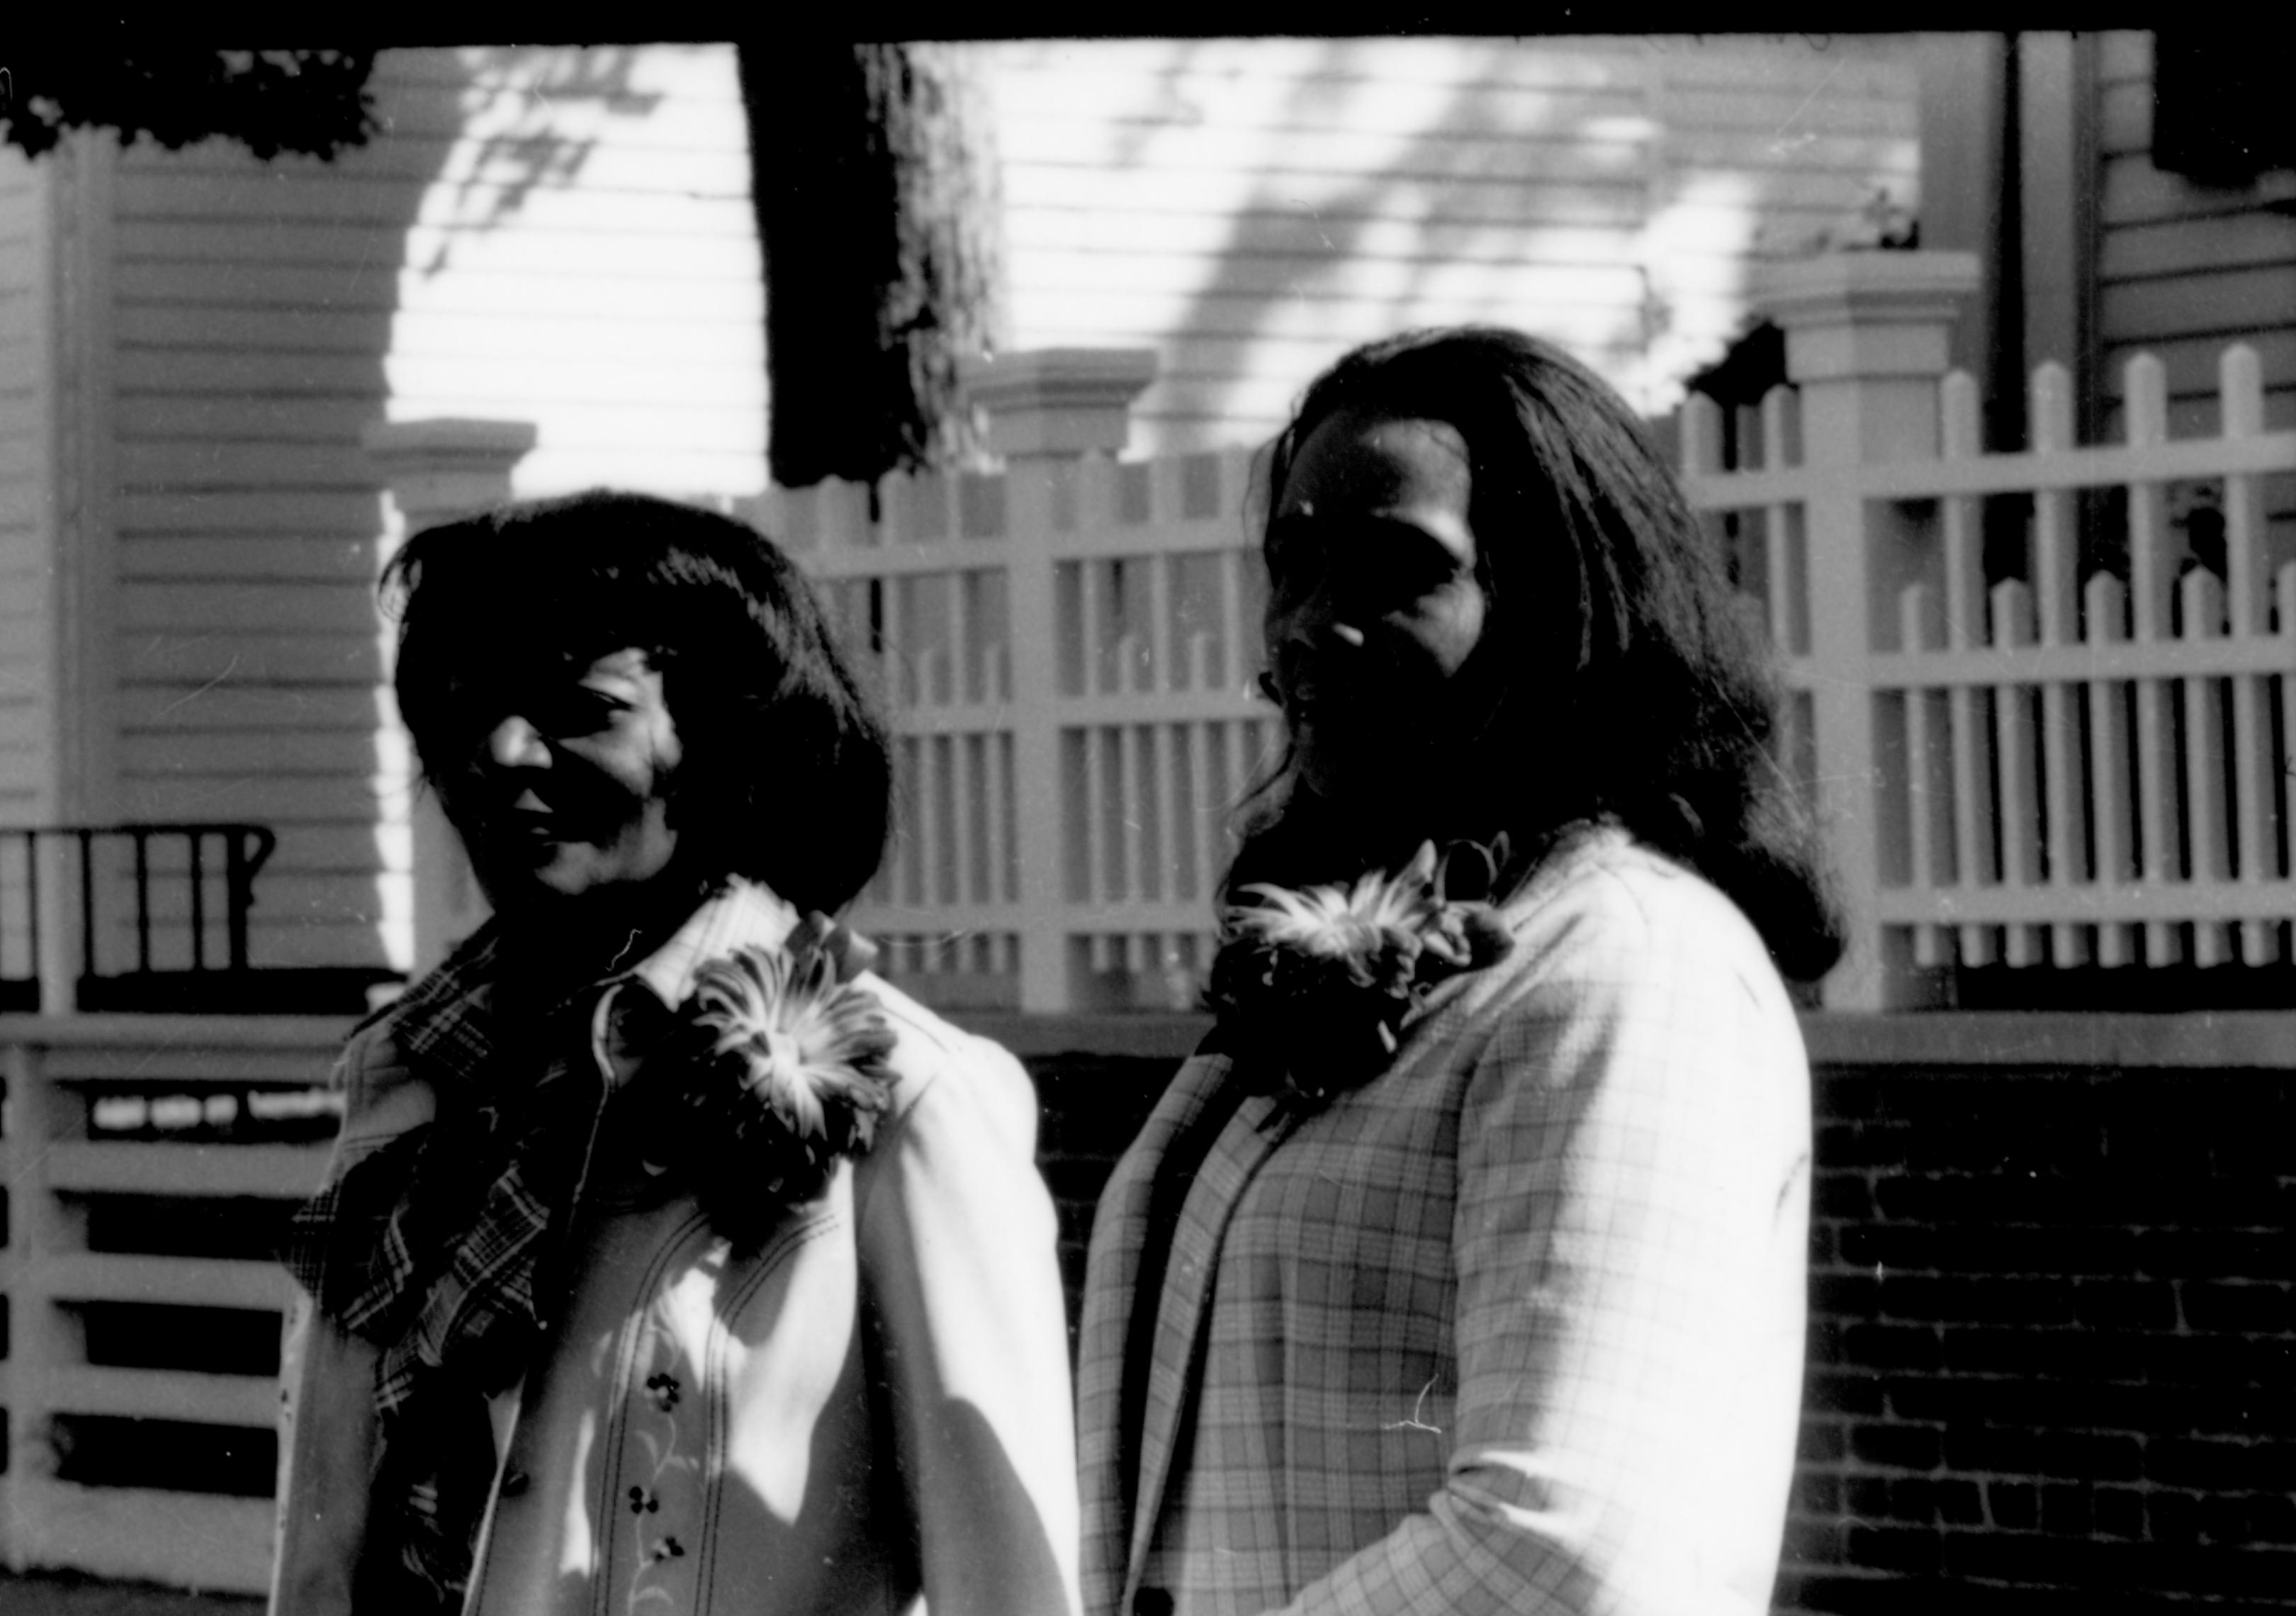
1251	209
27	618
548	235
2183	269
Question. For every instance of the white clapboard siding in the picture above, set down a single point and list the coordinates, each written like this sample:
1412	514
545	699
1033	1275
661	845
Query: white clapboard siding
27	760
2182	268
548	235
1250	209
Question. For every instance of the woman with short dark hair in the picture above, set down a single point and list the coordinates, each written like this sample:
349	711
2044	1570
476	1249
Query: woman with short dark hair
1462	1269
669	1258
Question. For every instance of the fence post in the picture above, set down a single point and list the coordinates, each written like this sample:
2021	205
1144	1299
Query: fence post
41	1338
435	471
1867	339
1046	411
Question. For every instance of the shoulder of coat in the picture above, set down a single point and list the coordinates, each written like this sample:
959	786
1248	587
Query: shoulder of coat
929	1049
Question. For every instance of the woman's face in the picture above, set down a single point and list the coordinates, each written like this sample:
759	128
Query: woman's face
1375	601
565	787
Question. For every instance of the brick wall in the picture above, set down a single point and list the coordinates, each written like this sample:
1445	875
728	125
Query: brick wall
2053	1345
2053	1337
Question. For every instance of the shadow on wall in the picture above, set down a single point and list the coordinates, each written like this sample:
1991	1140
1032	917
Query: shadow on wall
1576	192
252	311
258	324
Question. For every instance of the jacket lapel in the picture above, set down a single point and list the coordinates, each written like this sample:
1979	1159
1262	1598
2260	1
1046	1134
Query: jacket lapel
1176	1366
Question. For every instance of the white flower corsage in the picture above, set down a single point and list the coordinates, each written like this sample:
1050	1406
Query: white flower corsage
1313	984
783	1073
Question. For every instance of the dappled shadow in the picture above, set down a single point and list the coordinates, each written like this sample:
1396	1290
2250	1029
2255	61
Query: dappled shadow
524	111
1561	188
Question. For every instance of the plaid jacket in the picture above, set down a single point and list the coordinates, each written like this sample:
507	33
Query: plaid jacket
1517	1327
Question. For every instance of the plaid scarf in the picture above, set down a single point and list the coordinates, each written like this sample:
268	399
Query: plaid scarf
441	1247
446	1246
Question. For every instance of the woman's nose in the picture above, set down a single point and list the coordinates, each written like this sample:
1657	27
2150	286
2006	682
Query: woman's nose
516	743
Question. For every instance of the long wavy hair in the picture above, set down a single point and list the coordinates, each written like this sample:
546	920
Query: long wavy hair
1629	686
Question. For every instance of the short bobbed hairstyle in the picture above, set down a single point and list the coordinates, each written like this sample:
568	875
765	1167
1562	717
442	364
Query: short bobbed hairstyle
1629	683
786	774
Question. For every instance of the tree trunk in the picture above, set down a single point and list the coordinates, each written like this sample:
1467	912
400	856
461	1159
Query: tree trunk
874	172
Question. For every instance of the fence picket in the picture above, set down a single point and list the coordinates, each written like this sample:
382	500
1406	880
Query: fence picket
1702	436
2055	538
1960	416
2051	779
2109	791
1929	783
2020	808
2202	604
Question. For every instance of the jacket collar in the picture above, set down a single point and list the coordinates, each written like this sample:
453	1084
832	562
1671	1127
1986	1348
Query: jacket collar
446	1020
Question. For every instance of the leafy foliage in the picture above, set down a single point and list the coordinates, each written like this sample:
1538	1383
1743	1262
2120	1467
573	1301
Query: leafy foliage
311	103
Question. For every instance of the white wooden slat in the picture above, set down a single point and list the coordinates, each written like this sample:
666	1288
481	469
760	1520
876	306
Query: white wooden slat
1095	588
935	789
968	856
900	672
2109	769
964	687
1972	770
1107	775
1138	792
2202	603
279	1171
2014	723
2172	906
2147	425
2054	536
161	1394
84	1276
1922	627
1161	643
1960	424
2255	824
1702	435
1185	751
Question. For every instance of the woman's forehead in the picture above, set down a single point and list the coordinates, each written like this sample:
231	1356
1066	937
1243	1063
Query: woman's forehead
530	659
1372	460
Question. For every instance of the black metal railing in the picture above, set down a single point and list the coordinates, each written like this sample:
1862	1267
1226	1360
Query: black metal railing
111	897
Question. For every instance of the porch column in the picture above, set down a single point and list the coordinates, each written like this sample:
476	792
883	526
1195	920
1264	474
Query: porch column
1046	411
435	471
1868	338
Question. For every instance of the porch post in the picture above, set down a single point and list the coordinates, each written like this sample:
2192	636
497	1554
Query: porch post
435	471
1868	337
1046	411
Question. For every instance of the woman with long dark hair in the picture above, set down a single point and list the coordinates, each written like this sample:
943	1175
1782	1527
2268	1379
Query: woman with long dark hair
1462	1269
670	1260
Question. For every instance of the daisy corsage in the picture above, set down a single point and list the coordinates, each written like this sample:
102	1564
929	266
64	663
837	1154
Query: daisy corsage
1313	984
783	1073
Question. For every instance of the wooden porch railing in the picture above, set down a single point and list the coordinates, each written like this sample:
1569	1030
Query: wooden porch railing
87	910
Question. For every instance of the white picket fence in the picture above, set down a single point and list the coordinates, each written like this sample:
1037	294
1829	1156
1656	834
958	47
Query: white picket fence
2083	763
1068	649
2086	765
